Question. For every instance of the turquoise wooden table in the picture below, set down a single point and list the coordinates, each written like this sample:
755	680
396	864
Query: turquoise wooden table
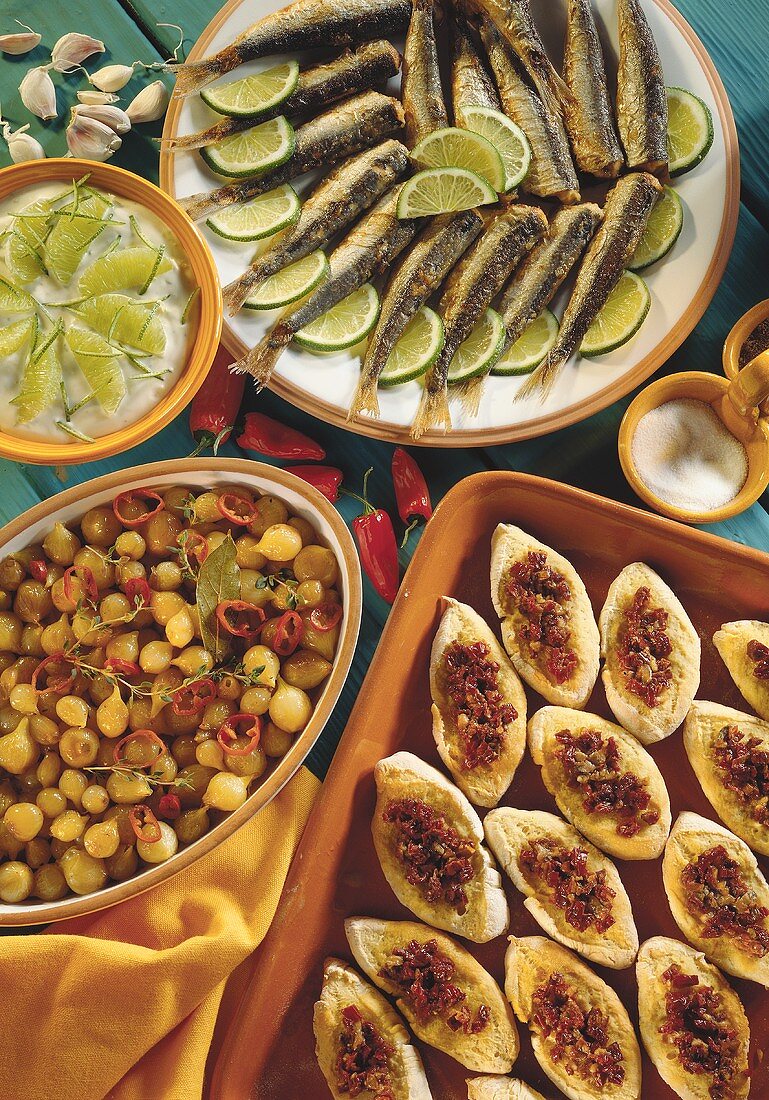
583	455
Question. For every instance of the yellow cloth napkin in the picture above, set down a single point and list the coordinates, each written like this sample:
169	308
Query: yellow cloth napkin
123	1003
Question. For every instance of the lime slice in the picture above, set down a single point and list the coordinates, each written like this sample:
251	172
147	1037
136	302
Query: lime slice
42	377
99	364
455	148
530	348
621	317
124	269
26	244
508	139
290	284
263	216
419	346
73	234
662	231
121	318
480	350
15	336
690	131
253	95
345	324
253	151
13	299
443	191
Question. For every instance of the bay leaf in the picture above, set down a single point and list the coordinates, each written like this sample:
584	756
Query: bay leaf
218	580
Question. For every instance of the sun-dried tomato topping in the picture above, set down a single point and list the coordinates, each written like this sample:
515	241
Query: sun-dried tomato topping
715	889
436	858
578	1039
759	654
425	977
592	766
472	685
584	896
539	593
697	1024
361	1061
644	649
745	770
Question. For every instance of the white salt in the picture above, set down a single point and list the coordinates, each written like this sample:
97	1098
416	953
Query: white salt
686	455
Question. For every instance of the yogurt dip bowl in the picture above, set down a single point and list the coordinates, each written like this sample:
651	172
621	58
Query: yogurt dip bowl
150	403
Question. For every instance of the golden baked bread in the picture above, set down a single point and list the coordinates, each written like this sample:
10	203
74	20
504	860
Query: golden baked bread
500	1088
742	645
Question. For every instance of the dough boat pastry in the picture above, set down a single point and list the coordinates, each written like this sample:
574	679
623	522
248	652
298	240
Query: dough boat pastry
744	649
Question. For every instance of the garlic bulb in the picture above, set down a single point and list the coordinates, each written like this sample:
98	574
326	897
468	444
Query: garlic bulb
20	42
112	78
90	139
21	145
91	98
72	49
111	116
150	104
38	93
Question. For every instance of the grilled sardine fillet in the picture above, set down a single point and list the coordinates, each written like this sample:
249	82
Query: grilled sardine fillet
625	214
472	285
366	252
642	106
588	114
552	173
418	276
372	64
335	204
303	25
346	129
421	91
471	84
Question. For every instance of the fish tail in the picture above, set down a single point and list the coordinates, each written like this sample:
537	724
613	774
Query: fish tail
433	411
470	394
236	292
186	141
197	206
191	76
261	360
543	378
365	399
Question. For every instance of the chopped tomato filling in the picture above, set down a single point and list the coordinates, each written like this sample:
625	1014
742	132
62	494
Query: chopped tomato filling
472	684
645	648
540	594
361	1062
584	896
425	977
435	857
758	653
579	1039
744	768
715	889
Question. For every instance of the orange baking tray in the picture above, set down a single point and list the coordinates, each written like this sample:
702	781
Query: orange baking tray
268	1049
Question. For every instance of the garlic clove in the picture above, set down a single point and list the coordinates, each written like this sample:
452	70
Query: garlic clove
91	98
150	104
38	93
72	49
21	42
111	78
90	139
111	116
21	145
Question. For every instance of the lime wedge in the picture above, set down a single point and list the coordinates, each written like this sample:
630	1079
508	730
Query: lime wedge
345	324
26	244
443	191
16	335
455	148
508	139
662	231
121	318
419	346
42	377
99	364
124	269
263	216
621	317
290	284
530	348
690	131
478	353
13	299
73	234
253	95
253	151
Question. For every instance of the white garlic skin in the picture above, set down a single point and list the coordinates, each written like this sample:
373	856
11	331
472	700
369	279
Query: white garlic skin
20	43
92	98
150	104
72	49
21	145
90	139
38	93
111	78
110	115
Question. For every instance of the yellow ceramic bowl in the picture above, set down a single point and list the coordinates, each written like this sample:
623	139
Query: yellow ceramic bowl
209	309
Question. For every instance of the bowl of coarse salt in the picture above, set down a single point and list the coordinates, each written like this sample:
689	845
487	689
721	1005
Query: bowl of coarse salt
695	446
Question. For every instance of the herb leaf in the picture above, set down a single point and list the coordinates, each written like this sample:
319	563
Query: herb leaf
218	580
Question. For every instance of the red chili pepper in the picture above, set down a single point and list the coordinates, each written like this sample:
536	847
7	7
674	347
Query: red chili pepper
59	686
191	699
145	825
87	582
378	549
138	591
195	545
240	618
411	493
169	806
326	479
215	407
147	735
121	667
137	494
236	509
229	733
289	632
38	570
270	437
325	616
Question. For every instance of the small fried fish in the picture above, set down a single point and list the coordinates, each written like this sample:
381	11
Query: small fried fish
334	205
421	90
588	114
625	214
471	84
642	106
418	276
474	282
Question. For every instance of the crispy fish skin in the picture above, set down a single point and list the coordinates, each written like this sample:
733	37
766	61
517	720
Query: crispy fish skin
366	252
642	106
346	129
470	288
418	276
552	173
471	84
588	114
366	67
302	25
625	214
334	205
422	94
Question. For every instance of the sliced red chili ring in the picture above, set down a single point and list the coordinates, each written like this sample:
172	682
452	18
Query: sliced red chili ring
138	591
59	686
144	824
289	632
195	546
191	699
240	618
325	616
148	735
121	667
87	582
229	733
170	806
236	509
38	570
137	494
